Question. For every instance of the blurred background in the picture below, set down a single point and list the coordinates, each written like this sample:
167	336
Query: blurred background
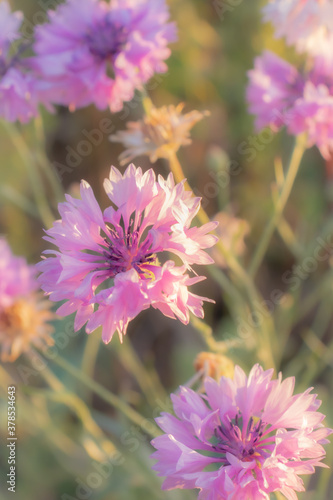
207	71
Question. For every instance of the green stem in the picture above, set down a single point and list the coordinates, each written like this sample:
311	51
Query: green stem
295	162
267	339
19	201
44	162
206	333
131	361
36	183
106	395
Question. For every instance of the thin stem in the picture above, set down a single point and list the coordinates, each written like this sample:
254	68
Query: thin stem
267	339
90	353
36	183
206	333
110	398
295	162
19	201
44	162
179	175
131	361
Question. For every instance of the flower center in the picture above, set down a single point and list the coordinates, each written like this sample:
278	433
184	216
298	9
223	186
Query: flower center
232	438
127	249
18	319
106	39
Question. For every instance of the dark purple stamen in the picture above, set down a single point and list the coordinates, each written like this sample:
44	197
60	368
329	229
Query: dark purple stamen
106	40
232	438
124	249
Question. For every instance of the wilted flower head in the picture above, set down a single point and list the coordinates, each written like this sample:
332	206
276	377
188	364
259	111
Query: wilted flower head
244	439
107	268
96	52
24	313
18	89
214	365
160	133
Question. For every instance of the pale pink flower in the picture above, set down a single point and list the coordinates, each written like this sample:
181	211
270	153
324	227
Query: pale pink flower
24	313
274	85
18	87
107	268
306	24
244	439
296	20
96	52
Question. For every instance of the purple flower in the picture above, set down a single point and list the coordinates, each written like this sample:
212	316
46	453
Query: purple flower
18	87
274	85
244	439
107	268
278	95
312	113
95	52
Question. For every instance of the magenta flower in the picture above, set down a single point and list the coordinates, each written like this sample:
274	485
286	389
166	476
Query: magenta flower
244	439
312	113
95	52
274	85
107	268
18	88
280	96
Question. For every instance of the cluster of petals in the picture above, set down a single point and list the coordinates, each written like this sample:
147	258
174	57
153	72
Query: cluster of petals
244	438
305	24
94	52
18	86
24	314
279	95
108	268
159	134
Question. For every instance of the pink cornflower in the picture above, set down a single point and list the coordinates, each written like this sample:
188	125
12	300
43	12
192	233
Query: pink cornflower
24	313
18	89
280	96
244	439
274	85
96	52
298	21
107	268
312	113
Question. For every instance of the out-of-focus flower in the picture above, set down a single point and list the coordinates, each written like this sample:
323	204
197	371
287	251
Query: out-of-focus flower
303	103
232	231
160	133
306	24
107	268
18	87
214	365
274	85
24	313
312	114
244	439
96	52
298	21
